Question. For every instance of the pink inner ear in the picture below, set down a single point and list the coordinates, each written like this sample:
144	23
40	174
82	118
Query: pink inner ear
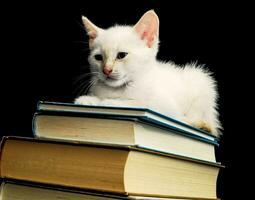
92	30
150	41
149	35
92	35
147	28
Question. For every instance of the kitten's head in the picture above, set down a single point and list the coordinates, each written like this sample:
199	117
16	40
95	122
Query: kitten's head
118	53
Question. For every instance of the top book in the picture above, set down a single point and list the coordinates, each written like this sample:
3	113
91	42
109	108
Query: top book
144	115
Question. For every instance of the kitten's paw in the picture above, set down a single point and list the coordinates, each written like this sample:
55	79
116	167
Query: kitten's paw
119	102
203	125
87	100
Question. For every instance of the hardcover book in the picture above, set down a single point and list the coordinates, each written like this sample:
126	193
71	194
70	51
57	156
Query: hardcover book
119	169
143	114
21	191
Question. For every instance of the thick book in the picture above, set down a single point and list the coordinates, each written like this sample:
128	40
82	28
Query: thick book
133	129
117	169
21	191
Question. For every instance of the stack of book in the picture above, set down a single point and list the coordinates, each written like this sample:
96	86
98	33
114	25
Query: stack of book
94	152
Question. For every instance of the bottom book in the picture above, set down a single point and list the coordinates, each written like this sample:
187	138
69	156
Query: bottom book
119	169
18	191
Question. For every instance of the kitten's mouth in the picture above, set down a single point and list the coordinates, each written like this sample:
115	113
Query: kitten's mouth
113	78
109	78
115	81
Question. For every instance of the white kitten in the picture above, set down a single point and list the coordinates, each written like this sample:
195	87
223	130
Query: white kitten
126	73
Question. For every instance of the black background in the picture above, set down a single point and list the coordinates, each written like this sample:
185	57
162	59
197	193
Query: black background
43	53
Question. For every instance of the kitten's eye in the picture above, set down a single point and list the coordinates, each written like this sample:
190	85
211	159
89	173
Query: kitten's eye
121	55
98	57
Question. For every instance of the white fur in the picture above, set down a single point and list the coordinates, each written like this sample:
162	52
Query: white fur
187	93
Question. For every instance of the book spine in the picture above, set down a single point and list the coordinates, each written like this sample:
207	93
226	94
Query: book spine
4	138
39	105
34	124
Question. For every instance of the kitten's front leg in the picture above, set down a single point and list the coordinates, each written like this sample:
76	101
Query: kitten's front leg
87	100
95	101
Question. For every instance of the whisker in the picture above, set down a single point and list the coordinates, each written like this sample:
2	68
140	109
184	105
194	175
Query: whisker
86	87
81	86
86	74
82	79
92	83
83	76
86	84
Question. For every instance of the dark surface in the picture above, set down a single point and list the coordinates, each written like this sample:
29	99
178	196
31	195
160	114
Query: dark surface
43	53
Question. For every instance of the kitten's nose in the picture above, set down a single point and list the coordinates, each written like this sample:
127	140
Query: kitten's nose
107	71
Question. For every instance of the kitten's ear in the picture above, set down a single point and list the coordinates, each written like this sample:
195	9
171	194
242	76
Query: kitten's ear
92	29
148	27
